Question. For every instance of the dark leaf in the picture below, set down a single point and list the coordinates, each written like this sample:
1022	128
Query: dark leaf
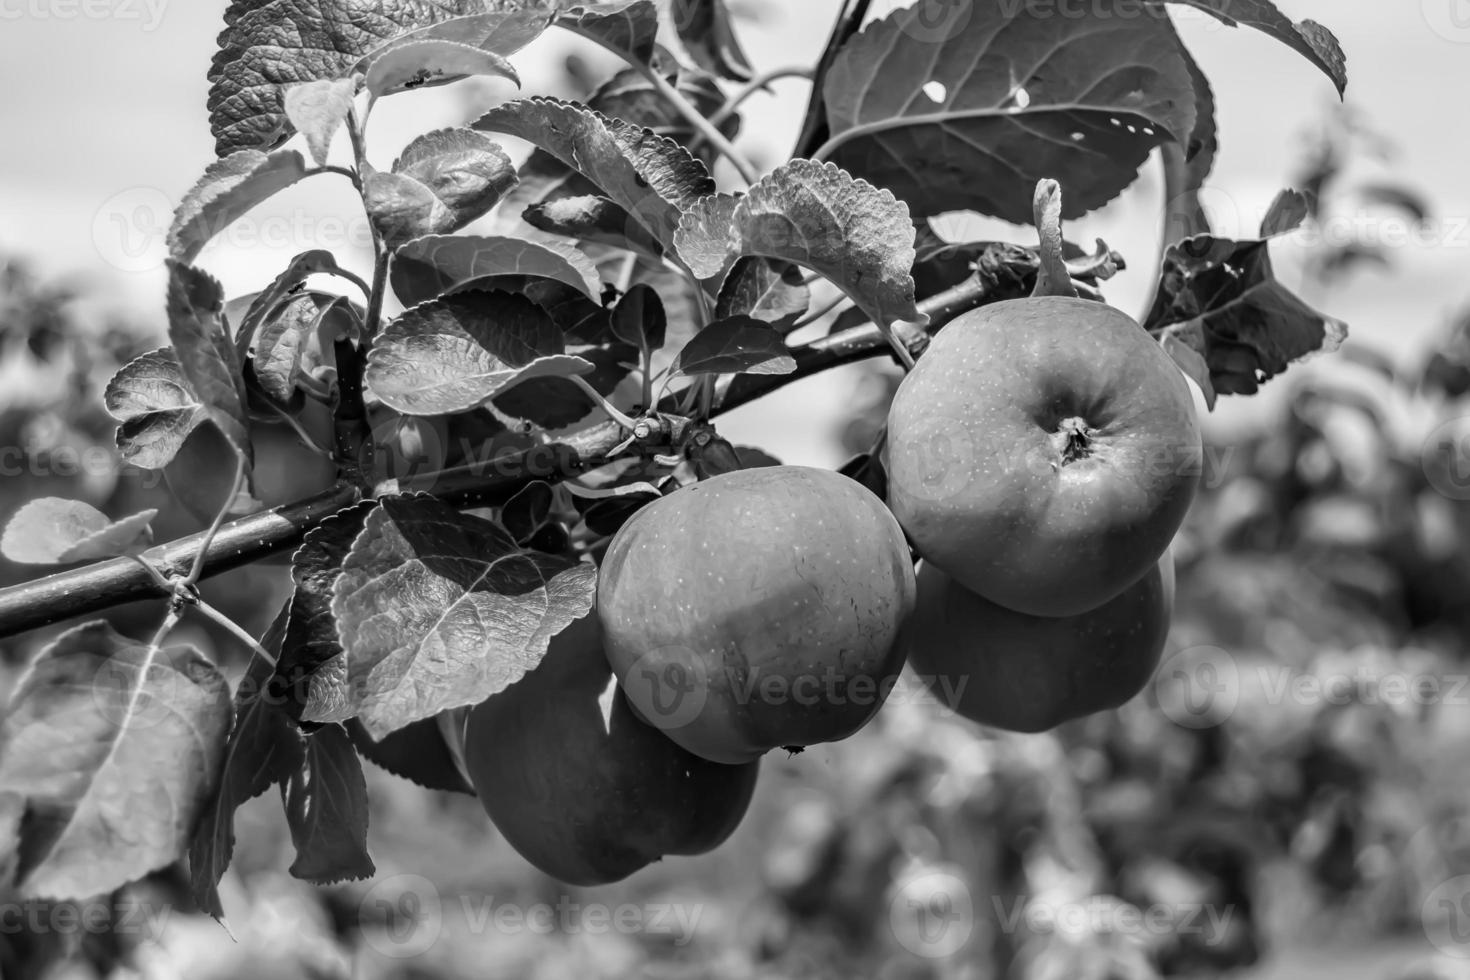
639	319
1223	316
431	266
416	752
970	114
439	609
457	352
1308	38
766	289
738	345
527	510
206	354
705	30
327	811
627	28
264	747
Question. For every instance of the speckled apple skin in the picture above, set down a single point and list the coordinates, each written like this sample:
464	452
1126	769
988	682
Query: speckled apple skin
581	787
1031	673
776	588
976	470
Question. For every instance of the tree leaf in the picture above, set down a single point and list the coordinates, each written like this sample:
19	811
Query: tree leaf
766	289
427	63
527	510
627	28
457	352
652	178
267	300
433	265
705	31
264	747
157	409
503	32
705	239
591	218
439	609
442	182
51	530
1308	38
82	741
1226	320
554	403
849	231
317	109
639	319
740	345
416	752
207	357
229	188
293	342
269	45
973	118
327	811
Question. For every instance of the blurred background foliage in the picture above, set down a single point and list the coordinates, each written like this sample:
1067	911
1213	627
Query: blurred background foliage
1330	541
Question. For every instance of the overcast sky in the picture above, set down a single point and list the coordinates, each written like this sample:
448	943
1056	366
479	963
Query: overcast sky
106	126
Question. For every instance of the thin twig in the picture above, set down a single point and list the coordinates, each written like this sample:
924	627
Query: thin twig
219	519
702	125
732	105
235	628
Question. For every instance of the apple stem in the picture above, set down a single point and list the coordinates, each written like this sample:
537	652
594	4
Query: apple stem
1075	440
1052	277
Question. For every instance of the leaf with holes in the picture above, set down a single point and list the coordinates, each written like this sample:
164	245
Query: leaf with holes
317	110
849	231
81	743
1226	320
51	531
740	345
154	406
439	609
652	178
407	65
627	28
229	188
1308	38
206	354
434	265
327	810
264	747
973	117
458	352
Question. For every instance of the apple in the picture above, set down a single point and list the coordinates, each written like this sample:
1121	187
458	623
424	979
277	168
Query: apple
1043	452
579	786
756	609
1026	673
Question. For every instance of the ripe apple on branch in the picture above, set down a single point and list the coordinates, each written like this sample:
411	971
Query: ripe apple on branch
536	569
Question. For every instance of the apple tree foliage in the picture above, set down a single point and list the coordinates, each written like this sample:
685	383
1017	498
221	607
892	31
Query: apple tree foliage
569	329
